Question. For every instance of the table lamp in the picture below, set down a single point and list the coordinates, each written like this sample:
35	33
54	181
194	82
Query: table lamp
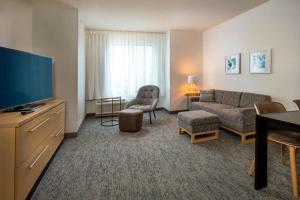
192	84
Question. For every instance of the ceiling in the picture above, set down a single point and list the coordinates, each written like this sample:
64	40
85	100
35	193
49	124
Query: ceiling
158	15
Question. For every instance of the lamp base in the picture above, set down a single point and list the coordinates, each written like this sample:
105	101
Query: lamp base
192	88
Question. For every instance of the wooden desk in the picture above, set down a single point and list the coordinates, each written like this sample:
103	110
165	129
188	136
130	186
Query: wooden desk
286	121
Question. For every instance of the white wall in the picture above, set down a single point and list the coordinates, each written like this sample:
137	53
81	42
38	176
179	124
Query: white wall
50	28
55	34
276	25
16	25
81	75
185	59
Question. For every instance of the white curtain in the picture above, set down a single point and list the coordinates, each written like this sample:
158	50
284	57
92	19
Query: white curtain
119	63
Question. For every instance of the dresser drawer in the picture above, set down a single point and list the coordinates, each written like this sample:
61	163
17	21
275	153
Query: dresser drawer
56	138
30	135
29	171
59	115
58	110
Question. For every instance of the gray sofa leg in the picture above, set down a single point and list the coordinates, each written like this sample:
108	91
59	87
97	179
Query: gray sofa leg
154	114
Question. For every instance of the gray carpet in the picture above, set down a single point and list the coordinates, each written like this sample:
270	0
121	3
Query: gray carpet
156	163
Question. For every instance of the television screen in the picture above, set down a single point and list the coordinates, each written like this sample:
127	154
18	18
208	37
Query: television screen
24	78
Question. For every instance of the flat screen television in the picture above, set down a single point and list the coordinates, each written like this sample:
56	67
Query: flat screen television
25	78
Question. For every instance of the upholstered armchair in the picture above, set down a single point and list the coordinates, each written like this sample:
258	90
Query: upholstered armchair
146	100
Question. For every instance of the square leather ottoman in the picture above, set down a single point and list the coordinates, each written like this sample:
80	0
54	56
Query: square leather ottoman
130	120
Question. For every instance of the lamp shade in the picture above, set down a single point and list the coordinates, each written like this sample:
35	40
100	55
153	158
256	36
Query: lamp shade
191	79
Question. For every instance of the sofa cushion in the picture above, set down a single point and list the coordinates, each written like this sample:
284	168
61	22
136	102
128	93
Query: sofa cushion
197	128
207	96
249	99
219	96
231	98
197	117
212	107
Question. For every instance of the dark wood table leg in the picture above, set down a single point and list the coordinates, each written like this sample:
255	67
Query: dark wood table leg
261	153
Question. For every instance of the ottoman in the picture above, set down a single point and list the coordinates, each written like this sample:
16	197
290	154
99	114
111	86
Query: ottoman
130	120
200	125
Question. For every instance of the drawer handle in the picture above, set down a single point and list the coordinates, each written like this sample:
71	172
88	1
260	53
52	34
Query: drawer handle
37	158
58	111
37	126
59	132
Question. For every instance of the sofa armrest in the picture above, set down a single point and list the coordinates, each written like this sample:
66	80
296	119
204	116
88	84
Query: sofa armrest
130	103
248	115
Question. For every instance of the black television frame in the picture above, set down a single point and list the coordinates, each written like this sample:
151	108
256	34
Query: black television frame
30	106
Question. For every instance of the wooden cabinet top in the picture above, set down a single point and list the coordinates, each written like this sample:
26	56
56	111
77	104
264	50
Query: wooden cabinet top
16	119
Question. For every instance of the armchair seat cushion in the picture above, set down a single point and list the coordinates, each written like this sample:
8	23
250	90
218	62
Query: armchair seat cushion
145	108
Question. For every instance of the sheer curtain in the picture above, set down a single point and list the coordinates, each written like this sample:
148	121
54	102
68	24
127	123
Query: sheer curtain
119	63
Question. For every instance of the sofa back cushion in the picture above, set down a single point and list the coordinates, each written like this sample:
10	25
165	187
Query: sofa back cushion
231	98
249	99
207	95
219	96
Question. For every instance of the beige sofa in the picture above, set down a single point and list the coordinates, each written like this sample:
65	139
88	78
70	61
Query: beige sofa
235	111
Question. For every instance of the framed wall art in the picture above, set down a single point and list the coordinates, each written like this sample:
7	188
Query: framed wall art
233	64
260	62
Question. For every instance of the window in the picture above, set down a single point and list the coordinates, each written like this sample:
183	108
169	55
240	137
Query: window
119	63
127	72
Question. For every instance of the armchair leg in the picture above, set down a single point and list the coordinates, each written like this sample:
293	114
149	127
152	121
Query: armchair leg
154	114
150	117
252	168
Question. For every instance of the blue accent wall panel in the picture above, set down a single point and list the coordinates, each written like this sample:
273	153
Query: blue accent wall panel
24	78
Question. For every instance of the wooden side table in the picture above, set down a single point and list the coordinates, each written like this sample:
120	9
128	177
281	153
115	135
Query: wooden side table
188	95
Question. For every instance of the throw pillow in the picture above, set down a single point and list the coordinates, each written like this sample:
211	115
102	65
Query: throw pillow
207	95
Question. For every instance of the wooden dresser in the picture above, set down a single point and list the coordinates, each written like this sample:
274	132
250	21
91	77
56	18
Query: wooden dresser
27	143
